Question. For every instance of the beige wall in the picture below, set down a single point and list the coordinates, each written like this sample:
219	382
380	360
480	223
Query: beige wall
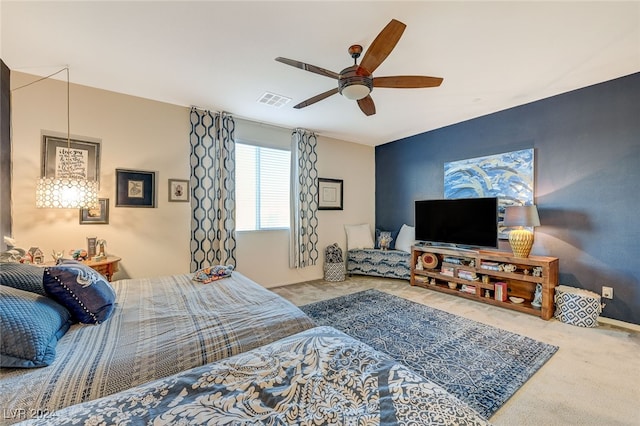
146	135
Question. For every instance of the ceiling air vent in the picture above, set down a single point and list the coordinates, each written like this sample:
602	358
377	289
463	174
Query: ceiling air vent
273	100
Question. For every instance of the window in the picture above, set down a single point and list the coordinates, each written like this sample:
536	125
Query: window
262	188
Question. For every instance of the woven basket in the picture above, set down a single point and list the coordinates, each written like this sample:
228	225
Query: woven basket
334	272
576	306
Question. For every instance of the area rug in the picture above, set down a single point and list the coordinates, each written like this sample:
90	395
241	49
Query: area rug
480	364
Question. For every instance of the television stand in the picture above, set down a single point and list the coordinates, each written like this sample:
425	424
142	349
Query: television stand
480	274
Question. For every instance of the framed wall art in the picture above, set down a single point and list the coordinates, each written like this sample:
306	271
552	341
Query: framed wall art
96	216
178	190
508	176
77	157
330	194
135	188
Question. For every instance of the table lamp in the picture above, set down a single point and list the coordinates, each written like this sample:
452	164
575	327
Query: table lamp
521	239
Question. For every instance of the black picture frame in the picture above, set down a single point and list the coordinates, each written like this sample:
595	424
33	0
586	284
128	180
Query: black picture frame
330	194
135	188
85	164
97	216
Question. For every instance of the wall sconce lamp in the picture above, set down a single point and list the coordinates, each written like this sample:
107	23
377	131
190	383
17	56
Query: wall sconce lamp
520	239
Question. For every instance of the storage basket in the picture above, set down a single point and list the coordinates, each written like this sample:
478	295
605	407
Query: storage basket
334	264
334	271
577	306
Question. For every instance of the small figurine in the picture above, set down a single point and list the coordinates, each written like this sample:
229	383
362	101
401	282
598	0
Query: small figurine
36	255
537	298
419	265
101	243
57	256
537	271
509	267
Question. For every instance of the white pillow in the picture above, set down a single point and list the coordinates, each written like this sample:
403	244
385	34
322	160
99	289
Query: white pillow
406	238
359	236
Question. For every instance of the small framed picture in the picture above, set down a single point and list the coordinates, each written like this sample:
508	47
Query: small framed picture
91	246
178	190
135	188
96	216
329	194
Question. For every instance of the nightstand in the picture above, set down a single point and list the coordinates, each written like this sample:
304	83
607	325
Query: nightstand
106	267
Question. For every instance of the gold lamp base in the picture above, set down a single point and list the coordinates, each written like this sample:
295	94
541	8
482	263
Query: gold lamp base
521	241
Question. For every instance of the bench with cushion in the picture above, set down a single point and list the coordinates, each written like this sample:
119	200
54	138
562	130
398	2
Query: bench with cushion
366	258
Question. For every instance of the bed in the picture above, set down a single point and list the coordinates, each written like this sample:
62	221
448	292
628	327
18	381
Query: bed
229	352
318	376
159	327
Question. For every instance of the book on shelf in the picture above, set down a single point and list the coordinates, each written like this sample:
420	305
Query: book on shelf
445	270
500	291
468	275
468	289
493	266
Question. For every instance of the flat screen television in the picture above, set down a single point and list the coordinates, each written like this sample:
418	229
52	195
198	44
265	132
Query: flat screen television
463	222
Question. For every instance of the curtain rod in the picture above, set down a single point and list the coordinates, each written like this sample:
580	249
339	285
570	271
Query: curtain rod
261	123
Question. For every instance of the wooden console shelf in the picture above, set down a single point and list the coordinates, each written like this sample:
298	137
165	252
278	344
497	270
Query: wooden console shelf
468	268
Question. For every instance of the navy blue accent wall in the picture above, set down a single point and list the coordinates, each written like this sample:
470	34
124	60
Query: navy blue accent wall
587	181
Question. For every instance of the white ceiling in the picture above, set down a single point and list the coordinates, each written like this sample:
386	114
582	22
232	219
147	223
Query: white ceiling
220	55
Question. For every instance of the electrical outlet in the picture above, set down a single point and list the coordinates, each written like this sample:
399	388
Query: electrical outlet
607	292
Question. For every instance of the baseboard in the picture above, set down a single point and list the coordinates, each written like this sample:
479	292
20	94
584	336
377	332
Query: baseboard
617	323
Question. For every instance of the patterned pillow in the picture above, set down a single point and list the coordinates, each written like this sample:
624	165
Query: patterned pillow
30	328
22	276
333	254
82	290
212	273
381	234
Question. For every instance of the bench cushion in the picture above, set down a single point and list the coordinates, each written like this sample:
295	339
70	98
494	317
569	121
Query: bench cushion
379	263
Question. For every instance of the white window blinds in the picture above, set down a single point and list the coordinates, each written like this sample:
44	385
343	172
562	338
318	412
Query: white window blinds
262	188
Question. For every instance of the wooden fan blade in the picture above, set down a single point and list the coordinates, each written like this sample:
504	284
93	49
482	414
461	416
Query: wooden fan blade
367	106
308	67
407	81
382	45
316	98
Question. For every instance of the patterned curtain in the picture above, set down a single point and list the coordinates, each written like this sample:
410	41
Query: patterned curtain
213	205
303	250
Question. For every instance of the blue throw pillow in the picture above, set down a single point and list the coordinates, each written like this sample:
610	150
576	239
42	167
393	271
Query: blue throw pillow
22	276
82	290
30	327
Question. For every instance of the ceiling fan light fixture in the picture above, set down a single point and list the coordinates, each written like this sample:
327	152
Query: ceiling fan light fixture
353	85
355	91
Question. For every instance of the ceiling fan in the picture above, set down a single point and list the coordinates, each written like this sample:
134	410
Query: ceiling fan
357	81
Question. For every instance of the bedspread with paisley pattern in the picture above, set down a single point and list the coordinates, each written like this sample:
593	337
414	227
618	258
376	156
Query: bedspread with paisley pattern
318	376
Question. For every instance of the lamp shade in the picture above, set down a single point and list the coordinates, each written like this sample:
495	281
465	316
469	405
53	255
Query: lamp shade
355	91
66	193
521	216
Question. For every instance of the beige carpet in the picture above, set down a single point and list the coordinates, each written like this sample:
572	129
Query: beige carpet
593	379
